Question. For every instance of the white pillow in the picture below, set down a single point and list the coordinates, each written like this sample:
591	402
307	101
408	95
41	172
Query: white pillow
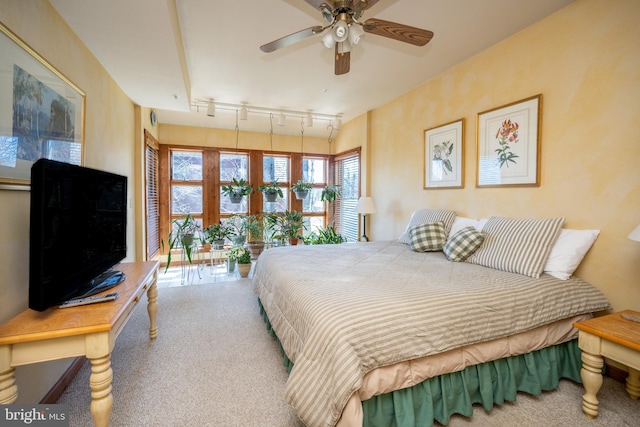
568	251
461	222
425	216
481	223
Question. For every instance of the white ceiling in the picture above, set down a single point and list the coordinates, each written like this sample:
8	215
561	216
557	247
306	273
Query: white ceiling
168	54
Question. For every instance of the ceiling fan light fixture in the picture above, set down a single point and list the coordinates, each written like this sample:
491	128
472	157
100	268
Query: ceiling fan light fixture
327	40
211	109
243	113
340	31
355	32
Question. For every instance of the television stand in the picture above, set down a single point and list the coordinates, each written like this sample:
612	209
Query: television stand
85	330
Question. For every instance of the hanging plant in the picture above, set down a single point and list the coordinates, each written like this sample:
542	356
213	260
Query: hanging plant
330	194
237	189
271	191
301	189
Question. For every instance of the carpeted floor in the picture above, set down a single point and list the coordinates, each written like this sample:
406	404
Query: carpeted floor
214	364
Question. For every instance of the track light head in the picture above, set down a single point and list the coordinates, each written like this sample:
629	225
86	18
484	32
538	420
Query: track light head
211	109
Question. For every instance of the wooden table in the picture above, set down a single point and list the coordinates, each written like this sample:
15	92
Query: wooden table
88	330
616	338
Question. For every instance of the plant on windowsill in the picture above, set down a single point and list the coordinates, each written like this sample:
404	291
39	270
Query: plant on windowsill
271	191
301	189
237	189
184	232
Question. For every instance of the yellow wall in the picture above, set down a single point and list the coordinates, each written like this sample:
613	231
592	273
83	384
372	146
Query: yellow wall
109	144
226	138
585	61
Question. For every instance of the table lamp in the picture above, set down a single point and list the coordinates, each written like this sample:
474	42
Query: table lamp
364	207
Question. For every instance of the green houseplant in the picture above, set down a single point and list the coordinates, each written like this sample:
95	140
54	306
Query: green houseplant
324	236
238	224
184	232
243	258
255	234
215	234
330	193
285	225
237	189
271	191
301	189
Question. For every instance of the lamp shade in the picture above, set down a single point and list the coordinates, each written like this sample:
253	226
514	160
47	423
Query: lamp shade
365	206
635	234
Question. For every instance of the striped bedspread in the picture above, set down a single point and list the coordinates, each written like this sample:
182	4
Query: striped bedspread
342	310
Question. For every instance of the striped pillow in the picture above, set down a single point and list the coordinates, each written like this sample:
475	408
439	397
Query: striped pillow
427	237
426	216
517	245
463	244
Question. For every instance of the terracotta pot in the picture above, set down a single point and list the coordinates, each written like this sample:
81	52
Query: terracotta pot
244	269
293	241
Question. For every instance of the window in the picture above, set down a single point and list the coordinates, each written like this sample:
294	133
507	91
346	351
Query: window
314	171
276	168
347	176
186	184
233	166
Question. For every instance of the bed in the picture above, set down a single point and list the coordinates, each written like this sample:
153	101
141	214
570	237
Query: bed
370	328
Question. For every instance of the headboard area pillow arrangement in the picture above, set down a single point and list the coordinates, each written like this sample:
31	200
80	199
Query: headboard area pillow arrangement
525	246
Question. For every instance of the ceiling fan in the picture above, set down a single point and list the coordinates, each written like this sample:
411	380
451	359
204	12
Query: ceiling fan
345	29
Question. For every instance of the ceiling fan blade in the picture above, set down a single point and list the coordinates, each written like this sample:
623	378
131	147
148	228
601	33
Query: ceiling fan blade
291	39
400	32
342	62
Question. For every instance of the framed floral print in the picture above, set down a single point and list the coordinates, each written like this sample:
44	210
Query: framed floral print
508	140
41	113
444	156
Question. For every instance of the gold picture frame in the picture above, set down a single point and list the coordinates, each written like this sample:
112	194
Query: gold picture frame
508	142
444	156
41	113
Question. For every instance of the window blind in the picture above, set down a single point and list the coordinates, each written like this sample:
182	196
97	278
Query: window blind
152	199
347	176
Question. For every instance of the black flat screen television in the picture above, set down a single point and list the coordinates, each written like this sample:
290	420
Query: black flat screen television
78	226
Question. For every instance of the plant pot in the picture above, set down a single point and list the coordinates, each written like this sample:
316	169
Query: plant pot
239	240
293	241
270	197
187	240
231	265
235	198
255	248
218	244
244	269
301	194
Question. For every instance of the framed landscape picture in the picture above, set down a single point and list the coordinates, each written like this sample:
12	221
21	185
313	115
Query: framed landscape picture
508	140
41	113
444	156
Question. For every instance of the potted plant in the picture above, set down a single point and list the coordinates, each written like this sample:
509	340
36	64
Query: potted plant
324	236
293	223
243	259
215	235
232	257
271	191
301	189
255	234
184	232
237	189
238	224
330	193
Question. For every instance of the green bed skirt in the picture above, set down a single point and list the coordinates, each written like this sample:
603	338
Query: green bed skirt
488	384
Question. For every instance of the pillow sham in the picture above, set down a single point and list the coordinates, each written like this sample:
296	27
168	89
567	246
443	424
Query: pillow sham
427	237
461	222
425	216
568	251
462	244
517	245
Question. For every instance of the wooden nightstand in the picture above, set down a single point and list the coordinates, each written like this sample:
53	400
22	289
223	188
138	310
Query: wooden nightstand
612	337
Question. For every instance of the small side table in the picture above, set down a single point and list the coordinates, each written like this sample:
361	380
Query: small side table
616	338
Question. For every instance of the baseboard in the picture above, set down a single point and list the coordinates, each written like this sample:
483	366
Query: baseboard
58	388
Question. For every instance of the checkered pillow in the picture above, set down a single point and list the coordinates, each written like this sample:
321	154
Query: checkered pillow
427	237
462	244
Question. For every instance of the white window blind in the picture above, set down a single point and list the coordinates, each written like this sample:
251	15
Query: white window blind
153	201
347	176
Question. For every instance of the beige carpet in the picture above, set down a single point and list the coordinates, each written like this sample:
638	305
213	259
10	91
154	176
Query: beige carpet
214	364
